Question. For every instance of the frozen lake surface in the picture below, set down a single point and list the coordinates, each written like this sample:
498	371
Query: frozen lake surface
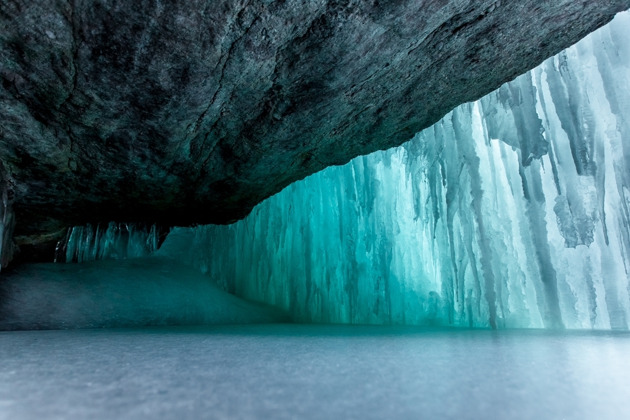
313	372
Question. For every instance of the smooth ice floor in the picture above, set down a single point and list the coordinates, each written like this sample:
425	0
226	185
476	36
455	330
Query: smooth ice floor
313	372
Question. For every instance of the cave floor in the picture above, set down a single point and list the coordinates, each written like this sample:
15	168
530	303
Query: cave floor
280	371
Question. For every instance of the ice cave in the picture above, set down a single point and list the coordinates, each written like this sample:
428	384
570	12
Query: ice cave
481	269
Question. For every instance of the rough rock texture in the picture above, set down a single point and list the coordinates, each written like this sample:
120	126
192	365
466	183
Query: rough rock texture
193	111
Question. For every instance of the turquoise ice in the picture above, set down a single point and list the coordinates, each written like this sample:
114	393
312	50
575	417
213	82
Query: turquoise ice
512	211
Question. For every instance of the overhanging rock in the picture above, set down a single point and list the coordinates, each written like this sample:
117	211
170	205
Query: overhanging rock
193	111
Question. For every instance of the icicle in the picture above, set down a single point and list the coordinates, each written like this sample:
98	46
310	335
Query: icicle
116	241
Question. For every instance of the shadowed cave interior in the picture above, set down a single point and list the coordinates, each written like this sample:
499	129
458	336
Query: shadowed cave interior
511	213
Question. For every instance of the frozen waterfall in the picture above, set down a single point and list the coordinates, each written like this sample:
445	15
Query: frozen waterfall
111	241
512	211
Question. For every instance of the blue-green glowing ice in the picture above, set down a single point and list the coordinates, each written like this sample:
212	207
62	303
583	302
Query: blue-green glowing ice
513	211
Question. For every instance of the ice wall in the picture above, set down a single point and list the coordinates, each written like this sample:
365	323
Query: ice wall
512	211
111	241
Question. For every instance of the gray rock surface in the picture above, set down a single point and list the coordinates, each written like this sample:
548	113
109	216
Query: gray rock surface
193	111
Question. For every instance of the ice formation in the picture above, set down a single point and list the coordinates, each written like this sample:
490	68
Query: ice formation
512	211
112	241
131	293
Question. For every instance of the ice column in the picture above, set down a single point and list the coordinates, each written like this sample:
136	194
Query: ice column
112	241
